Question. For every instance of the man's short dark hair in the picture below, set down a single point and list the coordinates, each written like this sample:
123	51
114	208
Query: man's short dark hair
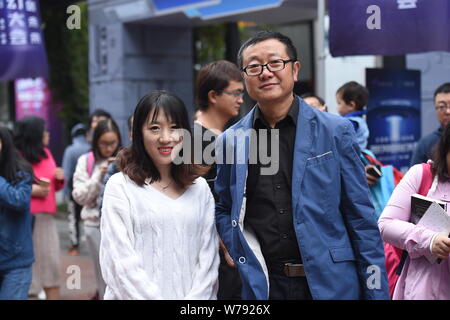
99	113
310	95
266	35
215	76
353	91
443	88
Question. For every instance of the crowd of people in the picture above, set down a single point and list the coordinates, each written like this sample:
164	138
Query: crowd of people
156	228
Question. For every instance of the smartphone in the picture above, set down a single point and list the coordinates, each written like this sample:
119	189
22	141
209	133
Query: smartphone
374	171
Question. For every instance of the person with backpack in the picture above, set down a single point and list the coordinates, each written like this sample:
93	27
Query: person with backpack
419	279
87	181
16	245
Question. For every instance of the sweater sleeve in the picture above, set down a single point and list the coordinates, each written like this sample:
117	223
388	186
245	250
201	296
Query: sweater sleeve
122	267
205	279
394	222
85	189
16	197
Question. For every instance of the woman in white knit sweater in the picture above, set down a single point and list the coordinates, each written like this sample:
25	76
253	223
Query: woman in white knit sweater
87	180
159	239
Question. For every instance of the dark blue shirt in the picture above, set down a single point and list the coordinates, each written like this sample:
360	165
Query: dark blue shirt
426	147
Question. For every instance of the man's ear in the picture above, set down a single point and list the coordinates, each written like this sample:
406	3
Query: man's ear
352	105
295	69
212	96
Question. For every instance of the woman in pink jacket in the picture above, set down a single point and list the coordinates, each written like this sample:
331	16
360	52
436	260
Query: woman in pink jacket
420	279
31	139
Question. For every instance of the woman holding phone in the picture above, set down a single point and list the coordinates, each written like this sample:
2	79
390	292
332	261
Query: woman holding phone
87	182
32	138
16	246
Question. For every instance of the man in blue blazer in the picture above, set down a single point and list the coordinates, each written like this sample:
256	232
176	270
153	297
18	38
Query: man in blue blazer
301	225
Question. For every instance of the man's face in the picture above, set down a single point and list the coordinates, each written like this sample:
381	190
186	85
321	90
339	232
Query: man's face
229	100
269	87
442	104
96	120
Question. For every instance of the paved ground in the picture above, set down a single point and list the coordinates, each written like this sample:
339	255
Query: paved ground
72	286
77	280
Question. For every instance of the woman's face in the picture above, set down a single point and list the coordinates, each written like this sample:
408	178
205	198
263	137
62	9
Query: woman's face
107	144
46	138
161	137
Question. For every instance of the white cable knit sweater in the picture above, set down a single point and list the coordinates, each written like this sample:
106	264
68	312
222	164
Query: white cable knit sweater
154	247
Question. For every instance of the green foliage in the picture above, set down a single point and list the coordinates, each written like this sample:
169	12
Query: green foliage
209	43
67	52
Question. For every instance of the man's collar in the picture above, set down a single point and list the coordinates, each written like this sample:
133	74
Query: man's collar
292	113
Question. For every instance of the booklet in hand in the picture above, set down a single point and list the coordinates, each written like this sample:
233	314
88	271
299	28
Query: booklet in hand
420	204
436	219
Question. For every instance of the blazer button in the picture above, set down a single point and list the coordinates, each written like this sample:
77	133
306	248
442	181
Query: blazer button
234	223
242	260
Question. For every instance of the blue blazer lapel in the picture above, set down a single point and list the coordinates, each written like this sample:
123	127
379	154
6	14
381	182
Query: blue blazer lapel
304	139
242	149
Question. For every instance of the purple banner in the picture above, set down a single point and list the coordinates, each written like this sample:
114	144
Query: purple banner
22	52
393	27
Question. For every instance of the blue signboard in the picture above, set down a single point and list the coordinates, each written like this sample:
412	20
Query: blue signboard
230	7
394	27
22	52
166	6
393	115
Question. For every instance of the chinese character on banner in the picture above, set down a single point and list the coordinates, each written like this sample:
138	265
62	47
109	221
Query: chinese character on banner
35	38
22	51
16	20
3	39
407	4
30	6
33	22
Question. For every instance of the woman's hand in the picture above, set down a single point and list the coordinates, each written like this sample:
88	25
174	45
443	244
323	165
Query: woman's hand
371	180
105	166
39	191
59	174
441	246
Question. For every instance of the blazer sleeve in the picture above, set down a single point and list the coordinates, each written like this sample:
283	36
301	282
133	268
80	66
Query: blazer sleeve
122	267
205	279
394	221
223	193
359	216
16	196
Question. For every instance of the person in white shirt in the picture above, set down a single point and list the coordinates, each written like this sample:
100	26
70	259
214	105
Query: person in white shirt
159	239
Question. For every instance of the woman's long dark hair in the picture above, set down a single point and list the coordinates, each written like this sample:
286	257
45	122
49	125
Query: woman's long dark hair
28	135
439	167
12	164
134	160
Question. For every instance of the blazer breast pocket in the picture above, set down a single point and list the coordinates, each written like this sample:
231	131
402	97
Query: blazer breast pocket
321	158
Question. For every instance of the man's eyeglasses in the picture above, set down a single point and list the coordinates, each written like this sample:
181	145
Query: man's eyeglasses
442	108
236	94
254	70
